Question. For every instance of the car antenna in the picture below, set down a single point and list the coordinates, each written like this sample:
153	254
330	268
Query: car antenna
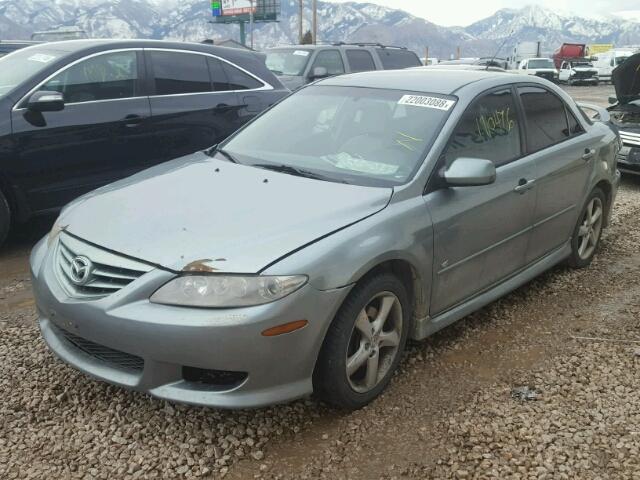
499	49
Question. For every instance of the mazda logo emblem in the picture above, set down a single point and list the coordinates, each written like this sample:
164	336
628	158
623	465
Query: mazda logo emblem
81	270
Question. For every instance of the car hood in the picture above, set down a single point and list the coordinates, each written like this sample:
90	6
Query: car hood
202	214
626	79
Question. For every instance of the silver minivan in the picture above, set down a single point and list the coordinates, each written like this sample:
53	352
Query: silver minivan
298	65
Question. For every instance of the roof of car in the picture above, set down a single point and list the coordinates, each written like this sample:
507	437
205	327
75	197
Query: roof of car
336	45
440	81
72	46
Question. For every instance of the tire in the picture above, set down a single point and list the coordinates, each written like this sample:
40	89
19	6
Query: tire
5	218
372	358
588	232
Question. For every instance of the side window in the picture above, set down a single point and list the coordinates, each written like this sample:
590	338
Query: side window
331	60
360	60
219	78
574	126
395	58
177	72
238	80
103	77
488	129
546	118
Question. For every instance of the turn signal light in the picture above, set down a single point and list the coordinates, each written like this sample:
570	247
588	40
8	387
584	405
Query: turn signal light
285	328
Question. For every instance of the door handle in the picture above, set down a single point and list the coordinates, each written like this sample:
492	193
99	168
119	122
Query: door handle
524	185
133	120
588	154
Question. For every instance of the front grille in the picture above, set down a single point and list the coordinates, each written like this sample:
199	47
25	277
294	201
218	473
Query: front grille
108	272
582	75
630	139
114	358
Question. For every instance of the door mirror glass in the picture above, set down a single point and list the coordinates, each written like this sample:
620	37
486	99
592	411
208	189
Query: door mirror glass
470	172
46	101
319	72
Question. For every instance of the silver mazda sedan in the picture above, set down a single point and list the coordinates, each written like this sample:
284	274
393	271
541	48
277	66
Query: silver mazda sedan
300	255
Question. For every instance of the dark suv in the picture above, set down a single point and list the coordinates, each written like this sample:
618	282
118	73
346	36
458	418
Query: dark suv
298	65
79	114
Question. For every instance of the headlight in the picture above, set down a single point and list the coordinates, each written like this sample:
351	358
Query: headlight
226	291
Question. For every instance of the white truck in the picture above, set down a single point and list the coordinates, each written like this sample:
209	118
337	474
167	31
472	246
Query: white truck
540	67
522	51
578	70
605	62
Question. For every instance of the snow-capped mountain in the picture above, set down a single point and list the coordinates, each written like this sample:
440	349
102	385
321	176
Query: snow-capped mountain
190	20
535	23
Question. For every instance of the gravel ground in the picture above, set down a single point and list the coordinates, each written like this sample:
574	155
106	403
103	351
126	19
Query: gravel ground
449	413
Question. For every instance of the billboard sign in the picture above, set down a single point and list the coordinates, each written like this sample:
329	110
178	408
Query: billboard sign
237	7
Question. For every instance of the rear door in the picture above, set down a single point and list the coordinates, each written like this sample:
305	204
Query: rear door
562	150
482	233
102	134
194	104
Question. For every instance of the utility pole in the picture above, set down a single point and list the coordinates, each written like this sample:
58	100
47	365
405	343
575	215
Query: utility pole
300	16
251	22
315	21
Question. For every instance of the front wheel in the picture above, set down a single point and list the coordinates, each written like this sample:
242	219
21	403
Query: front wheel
588	231
364	343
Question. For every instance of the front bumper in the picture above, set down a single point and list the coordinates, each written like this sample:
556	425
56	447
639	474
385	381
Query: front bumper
126	340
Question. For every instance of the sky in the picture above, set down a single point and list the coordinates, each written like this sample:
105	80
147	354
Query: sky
465	12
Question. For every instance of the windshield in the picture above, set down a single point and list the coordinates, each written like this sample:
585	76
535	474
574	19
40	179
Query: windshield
288	61
581	64
22	64
362	136
541	63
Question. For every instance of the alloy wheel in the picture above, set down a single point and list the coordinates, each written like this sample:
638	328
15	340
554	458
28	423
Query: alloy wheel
590	228
374	342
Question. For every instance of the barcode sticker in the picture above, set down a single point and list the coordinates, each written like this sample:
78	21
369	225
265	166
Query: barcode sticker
426	102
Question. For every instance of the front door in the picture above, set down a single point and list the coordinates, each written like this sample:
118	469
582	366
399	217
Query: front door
564	158
481	233
196	104
101	135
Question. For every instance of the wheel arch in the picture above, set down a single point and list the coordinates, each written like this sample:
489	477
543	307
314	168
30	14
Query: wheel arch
607	189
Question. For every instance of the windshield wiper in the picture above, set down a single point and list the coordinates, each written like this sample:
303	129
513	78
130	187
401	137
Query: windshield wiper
295	171
213	150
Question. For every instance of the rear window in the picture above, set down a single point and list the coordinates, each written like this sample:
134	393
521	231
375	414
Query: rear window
177	73
238	80
395	58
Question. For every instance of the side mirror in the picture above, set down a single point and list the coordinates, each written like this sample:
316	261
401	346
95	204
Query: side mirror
45	101
319	72
613	100
470	172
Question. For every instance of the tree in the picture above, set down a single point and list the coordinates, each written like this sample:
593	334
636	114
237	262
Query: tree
307	38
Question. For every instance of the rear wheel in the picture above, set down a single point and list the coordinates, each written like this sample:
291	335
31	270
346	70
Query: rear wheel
5	218
588	231
364	343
